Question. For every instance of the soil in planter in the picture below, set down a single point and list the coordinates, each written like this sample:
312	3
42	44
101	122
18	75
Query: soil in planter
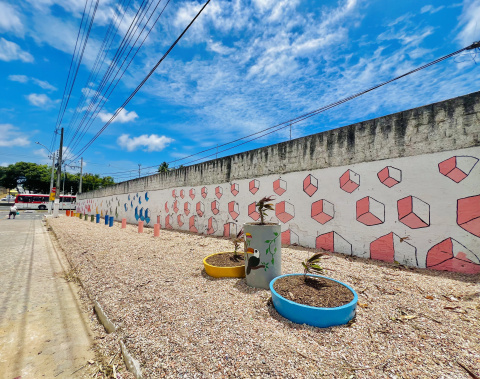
226	260
316	292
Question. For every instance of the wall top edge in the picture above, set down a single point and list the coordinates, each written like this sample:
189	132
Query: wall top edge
442	126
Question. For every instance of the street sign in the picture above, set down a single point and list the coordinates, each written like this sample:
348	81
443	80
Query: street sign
52	194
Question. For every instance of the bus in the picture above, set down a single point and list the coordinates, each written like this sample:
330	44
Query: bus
40	201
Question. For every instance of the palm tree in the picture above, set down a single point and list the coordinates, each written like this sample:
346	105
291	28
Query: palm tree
163	167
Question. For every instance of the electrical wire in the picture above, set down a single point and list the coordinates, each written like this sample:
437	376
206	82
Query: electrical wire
312	113
140	85
99	61
99	94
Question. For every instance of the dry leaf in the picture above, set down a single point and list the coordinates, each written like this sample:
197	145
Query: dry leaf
429	297
90	362
408	317
363	305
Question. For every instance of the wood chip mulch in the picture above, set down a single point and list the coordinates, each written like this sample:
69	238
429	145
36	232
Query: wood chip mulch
179	322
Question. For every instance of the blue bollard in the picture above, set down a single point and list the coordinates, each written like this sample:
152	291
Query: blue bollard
98	218
106	219
110	220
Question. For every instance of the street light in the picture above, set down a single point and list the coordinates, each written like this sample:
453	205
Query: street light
51	177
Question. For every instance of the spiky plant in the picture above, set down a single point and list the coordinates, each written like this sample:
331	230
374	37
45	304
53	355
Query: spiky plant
236	241
311	265
263	205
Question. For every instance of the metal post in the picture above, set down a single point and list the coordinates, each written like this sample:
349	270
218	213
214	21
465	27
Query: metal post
50	203
81	173
56	205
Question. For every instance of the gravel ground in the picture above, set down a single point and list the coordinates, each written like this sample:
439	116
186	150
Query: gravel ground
179	322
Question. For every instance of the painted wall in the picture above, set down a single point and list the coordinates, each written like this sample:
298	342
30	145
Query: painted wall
420	210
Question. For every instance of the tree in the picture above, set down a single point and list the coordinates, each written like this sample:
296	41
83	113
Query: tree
36	178
163	167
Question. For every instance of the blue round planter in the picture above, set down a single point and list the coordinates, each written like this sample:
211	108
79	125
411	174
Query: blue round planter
305	314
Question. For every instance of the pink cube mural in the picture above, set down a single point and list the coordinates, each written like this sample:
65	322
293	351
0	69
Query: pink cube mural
451	255
204	192
180	220
390	176
218	192
284	211
233	209
290	238
468	214
186	208
191	193
413	212
349	181
322	211
457	168
192	224
310	185
333	241
254	186
370	211
211	226
229	229
234	189
279	187
252	211
215	206
392	248
200	208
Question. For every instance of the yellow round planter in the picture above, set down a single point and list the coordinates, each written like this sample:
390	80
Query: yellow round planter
223	272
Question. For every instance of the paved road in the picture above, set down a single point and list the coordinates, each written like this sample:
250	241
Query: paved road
43	331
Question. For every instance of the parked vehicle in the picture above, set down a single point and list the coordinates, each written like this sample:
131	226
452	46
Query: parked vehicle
40	201
8	199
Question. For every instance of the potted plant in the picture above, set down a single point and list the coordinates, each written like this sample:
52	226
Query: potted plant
262	248
313	299
227	264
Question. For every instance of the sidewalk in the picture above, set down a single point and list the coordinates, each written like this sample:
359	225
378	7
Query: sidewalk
43	330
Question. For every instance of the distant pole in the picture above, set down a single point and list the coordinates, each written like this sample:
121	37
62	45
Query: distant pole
50	203
81	173
59	169
139	165
56	204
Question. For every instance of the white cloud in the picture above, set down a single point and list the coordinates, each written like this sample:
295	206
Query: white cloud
10	51
24	79
12	137
122	117
151	142
431	9
10	19
18	78
44	84
39	100
469	23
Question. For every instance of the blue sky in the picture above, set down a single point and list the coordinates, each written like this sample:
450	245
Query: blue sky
245	65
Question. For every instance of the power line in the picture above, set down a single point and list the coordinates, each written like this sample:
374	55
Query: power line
140	85
101	56
90	116
312	113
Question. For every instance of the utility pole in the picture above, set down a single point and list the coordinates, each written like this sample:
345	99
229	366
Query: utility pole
64	178
81	173
59	167
56	205
139	165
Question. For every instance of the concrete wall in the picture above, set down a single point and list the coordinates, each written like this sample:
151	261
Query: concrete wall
402	187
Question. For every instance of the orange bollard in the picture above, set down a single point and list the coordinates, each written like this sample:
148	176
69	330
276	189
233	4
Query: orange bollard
156	230
68	212
124	223
140	226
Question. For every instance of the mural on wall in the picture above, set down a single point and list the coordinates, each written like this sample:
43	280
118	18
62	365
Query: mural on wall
420	211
